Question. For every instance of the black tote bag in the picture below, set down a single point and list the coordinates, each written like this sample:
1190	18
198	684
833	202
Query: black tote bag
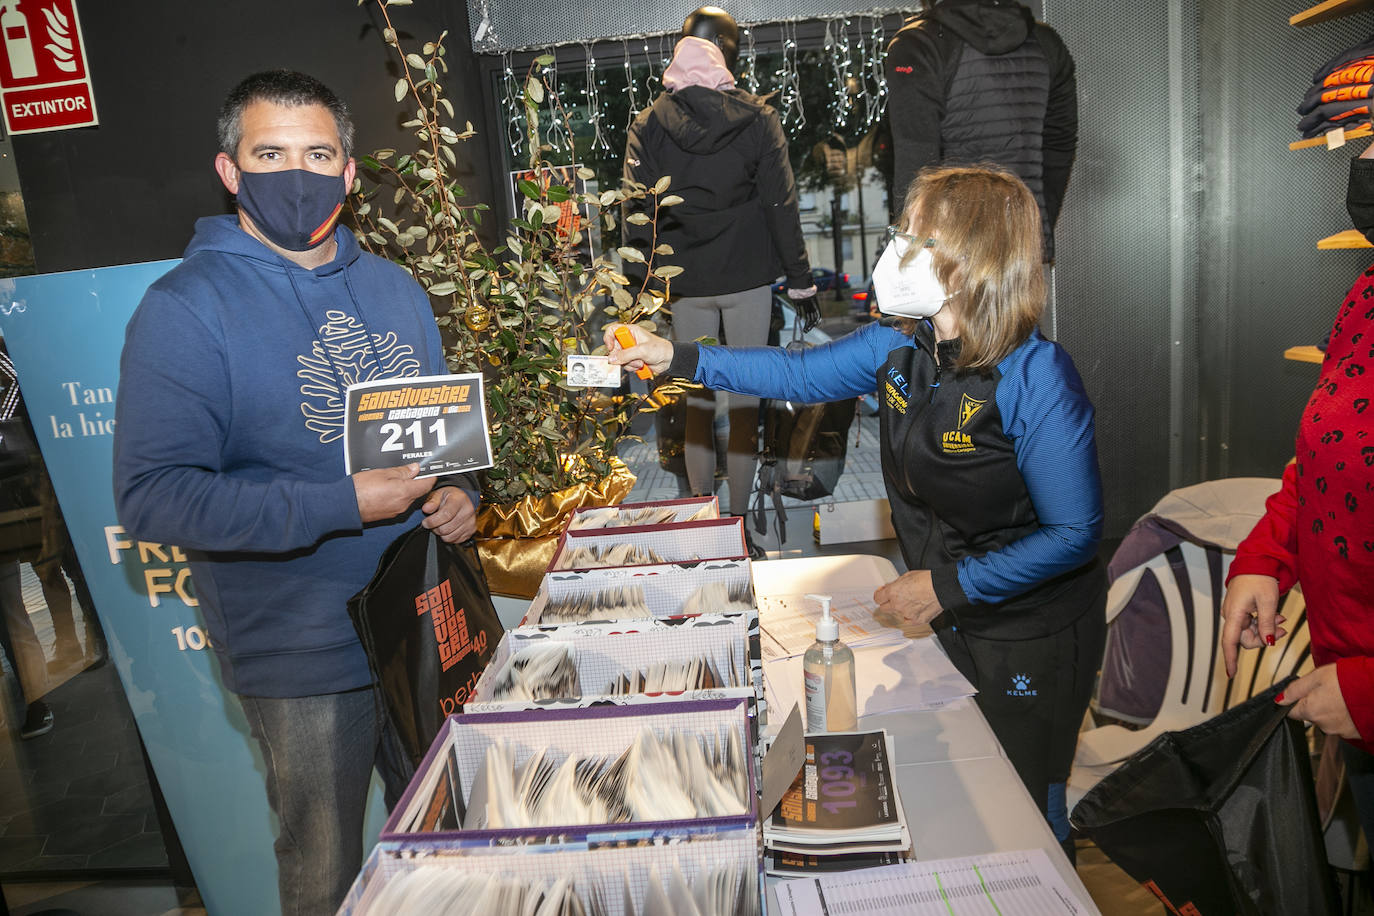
1219	819
429	628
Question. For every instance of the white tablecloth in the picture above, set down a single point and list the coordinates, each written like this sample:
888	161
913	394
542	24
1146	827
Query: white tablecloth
960	793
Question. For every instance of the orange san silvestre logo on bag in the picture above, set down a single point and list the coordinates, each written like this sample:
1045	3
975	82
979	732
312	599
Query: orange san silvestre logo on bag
450	625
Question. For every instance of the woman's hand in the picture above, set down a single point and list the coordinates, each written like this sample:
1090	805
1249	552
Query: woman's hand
910	598
1317	698
649	349
1250	611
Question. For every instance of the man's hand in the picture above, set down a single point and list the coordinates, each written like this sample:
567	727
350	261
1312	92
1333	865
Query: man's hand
911	598
1250	611
1317	698
449	513
388	492
649	349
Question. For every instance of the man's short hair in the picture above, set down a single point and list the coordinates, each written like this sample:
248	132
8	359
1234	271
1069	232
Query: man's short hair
280	87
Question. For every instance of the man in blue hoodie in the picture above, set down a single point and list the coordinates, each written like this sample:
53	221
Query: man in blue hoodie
228	445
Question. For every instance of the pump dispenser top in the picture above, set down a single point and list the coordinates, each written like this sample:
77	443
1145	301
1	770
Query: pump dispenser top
828	629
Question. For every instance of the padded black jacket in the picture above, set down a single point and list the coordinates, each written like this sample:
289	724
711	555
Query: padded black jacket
981	81
737	227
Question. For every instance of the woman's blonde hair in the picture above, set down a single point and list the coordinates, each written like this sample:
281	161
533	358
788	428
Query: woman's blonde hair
987	253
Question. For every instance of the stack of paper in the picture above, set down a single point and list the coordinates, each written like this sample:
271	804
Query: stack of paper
790	626
843	802
1009	883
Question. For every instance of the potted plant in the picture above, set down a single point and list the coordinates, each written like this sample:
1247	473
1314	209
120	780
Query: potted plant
515	311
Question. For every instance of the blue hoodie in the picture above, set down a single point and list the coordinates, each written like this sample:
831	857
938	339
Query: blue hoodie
228	443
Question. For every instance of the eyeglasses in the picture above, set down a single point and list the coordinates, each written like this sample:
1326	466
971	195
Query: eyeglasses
894	233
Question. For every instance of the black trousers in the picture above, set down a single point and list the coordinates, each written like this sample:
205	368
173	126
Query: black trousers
1033	692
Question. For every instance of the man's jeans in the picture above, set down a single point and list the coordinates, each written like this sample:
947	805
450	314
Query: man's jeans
320	752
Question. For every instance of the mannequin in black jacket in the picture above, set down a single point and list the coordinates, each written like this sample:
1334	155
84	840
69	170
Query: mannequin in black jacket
981	81
736	230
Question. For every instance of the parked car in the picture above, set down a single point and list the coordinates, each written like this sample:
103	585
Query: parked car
823	277
862	302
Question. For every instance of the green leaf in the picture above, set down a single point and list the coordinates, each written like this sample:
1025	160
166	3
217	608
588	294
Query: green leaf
544	60
446	288
528	188
558	193
401	88
415	61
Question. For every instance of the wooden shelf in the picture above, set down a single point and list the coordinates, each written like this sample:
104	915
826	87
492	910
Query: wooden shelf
1308	354
1353	134
1328	9
1350	238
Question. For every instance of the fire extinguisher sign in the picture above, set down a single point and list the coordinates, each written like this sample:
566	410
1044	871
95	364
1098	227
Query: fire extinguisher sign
44	84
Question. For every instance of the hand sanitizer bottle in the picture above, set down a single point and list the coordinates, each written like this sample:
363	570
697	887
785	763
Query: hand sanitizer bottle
828	667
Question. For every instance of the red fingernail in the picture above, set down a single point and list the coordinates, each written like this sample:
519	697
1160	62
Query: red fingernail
1269	640
1278	699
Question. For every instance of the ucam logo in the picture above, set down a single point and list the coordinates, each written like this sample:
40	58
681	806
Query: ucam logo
1021	686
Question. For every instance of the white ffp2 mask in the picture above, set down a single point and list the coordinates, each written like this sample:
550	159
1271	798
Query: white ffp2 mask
908	290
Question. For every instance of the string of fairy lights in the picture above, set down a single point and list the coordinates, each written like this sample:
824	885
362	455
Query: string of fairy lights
853	46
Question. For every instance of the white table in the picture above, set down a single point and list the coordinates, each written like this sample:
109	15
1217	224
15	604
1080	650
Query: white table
959	791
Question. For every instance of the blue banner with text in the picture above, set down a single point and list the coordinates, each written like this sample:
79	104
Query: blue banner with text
64	333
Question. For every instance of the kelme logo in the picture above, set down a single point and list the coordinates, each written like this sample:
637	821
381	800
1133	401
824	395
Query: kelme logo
1021	686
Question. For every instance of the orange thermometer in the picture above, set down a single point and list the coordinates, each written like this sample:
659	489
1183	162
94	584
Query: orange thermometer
627	340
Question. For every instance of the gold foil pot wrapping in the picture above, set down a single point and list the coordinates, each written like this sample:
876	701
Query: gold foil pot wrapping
516	540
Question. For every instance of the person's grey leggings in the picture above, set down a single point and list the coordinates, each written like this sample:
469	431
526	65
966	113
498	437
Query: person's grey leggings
744	318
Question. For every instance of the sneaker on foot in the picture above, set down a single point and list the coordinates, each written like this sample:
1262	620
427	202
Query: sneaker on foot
38	722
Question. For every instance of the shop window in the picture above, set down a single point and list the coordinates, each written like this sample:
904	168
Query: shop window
843	199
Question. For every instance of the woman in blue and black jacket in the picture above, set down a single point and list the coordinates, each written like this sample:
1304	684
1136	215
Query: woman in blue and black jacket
988	454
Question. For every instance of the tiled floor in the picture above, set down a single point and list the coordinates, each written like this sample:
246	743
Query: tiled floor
101	898
77	797
862	477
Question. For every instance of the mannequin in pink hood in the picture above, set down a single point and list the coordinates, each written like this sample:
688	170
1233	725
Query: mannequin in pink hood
735	232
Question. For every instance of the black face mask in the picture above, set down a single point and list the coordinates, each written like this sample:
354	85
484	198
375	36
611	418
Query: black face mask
295	208
1359	196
